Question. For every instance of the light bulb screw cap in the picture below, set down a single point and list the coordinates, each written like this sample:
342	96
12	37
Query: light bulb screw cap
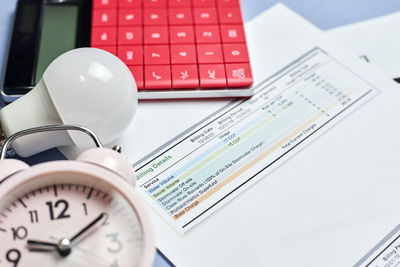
3	136
10	139
117	148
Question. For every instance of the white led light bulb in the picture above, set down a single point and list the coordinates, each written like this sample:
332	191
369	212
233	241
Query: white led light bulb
84	86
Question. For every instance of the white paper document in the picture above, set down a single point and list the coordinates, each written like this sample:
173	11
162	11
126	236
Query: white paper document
326	118
215	160
378	39
327	205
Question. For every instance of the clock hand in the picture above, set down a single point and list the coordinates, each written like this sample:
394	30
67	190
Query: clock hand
63	247
87	227
39	245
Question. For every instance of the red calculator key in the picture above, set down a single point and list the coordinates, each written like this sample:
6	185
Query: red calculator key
205	16
131	54
183	54
179	3
230	15
137	72
181	34
103	36
180	16
128	17
123	4
110	48
155	16
155	4
104	4
235	53
155	35
203	3
185	76
209	53
212	76
104	17
157	77
207	34
130	35
232	34
156	55
228	3
239	75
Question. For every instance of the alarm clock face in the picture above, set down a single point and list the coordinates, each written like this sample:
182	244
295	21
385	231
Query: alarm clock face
69	219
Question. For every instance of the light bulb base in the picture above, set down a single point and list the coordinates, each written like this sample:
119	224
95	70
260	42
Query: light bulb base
3	136
33	110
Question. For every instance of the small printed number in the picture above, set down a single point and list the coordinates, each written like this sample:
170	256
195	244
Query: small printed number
33	214
13	256
19	233
85	208
116	243
62	214
105	222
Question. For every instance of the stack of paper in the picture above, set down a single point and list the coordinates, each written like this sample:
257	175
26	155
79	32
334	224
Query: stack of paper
322	191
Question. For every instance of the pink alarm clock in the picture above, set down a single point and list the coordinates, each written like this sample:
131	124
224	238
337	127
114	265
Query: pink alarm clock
72	213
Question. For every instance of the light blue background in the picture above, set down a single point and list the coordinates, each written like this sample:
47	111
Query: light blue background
326	14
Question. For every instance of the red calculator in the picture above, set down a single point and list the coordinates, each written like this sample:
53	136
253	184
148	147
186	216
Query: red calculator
174	48
177	48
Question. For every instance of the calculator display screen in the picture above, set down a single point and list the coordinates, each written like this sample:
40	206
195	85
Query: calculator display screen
58	34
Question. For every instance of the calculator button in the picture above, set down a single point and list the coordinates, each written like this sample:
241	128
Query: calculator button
130	35
181	34
131	54
110	48
155	4
175	43
203	3
228	3
104	17
212	76
129	4
239	75
155	16
207	34
179	3
157	77
137	72
230	15
180	16
183	54
156	54
128	17
185	76
155	35
101	4
205	16
103	36
234	53
210	53
232	34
